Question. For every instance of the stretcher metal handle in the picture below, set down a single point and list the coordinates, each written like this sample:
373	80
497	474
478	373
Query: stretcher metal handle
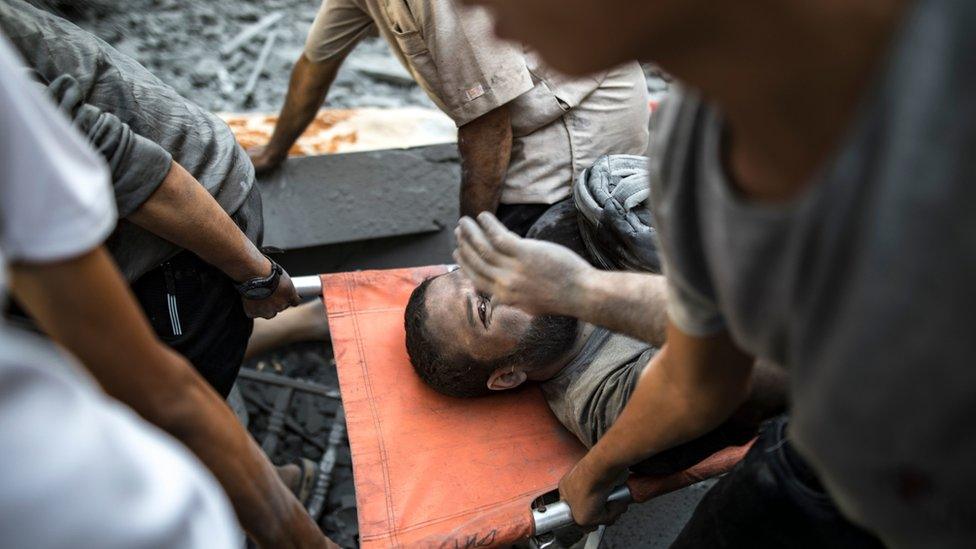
557	515
308	286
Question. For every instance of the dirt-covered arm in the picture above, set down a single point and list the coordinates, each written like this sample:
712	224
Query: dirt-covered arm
485	146
545	278
309	85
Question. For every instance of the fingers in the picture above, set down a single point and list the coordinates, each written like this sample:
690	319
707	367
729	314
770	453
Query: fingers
470	235
501	238
482	275
474	254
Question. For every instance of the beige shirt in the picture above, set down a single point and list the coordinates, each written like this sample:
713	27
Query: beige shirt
560	125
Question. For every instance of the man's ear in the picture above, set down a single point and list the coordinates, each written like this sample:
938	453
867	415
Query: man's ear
506	378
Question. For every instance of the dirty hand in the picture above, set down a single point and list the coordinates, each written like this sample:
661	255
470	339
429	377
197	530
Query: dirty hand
538	277
585	489
284	296
264	160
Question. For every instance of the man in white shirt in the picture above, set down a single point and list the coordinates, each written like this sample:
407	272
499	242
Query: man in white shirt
79	469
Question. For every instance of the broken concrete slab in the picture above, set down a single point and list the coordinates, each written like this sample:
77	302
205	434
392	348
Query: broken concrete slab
331	199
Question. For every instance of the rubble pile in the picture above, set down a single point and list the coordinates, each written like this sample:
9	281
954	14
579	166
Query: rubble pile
306	427
181	41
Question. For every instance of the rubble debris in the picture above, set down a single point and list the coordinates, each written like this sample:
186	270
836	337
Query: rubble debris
259	66
250	32
276	422
308	425
204	72
283	381
337	436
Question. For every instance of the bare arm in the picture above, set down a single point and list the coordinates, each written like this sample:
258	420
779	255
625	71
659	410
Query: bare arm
545	278
86	306
183	212
157	194
689	388
307	89
485	146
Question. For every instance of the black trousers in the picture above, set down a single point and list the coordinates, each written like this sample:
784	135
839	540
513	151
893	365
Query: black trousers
519	218
772	498
194	308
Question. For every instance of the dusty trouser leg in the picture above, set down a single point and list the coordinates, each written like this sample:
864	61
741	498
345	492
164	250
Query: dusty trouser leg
307	322
771	499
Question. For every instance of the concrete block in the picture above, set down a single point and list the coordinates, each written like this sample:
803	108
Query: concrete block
332	199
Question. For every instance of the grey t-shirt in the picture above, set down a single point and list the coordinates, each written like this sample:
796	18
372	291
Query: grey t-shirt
591	391
862	286
137	123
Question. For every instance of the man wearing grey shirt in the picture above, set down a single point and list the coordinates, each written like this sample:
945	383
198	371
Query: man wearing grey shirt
190	214
815	207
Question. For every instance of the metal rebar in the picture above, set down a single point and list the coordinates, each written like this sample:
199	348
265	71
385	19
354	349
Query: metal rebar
289	423
252	80
250	32
336	435
297	384
276	423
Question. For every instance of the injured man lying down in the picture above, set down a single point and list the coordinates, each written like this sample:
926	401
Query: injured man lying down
463	345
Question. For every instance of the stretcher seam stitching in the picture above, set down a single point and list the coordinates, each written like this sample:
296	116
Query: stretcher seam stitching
419	525
391	515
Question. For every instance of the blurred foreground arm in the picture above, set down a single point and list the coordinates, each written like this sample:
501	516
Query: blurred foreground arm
545	278
690	387
84	304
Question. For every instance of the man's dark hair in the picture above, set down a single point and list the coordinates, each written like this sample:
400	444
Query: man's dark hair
457	376
461	375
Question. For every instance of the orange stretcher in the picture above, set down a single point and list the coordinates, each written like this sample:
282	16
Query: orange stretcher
436	471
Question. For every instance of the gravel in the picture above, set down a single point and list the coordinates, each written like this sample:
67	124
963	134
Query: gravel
180	41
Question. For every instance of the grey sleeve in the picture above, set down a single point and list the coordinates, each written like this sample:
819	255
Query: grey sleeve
692	306
138	166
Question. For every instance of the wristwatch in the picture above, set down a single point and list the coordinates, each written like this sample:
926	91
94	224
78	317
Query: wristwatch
261	287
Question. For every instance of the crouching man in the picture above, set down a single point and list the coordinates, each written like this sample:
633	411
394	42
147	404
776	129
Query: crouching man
464	345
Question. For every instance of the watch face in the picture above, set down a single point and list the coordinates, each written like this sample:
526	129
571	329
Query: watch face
258	293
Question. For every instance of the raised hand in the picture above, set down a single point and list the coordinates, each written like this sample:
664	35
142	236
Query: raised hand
538	277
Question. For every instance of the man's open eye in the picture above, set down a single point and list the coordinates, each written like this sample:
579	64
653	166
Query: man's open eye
483	310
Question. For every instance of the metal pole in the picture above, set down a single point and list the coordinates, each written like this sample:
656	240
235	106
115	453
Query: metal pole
308	286
558	515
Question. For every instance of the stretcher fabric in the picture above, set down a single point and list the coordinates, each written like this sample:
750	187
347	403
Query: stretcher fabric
436	471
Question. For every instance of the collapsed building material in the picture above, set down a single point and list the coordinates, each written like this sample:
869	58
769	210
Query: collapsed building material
337	436
250	32
252	80
290	423
276	423
298	384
